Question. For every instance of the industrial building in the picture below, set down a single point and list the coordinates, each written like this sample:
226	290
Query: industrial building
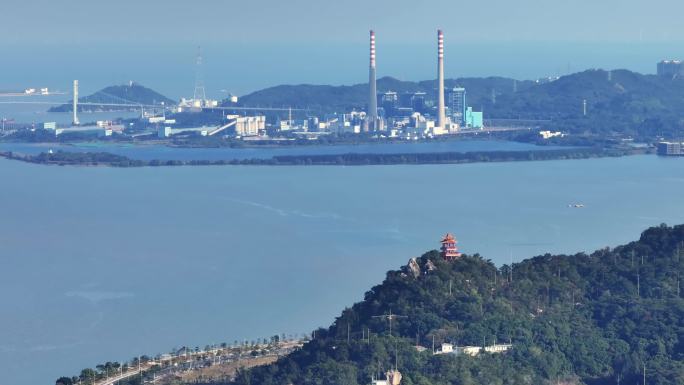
417	102
101	128
249	125
670	68
473	350
547	134
457	104
473	119
671	148
195	105
390	103
244	126
166	131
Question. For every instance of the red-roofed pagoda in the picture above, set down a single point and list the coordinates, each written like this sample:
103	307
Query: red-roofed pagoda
449	249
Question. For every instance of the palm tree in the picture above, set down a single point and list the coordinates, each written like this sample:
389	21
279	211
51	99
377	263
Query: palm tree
101	368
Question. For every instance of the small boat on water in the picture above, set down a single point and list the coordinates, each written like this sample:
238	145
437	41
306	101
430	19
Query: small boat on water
576	205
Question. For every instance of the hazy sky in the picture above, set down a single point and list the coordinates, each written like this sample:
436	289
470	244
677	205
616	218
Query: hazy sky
253	44
339	21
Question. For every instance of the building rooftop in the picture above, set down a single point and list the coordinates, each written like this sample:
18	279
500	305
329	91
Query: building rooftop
448	238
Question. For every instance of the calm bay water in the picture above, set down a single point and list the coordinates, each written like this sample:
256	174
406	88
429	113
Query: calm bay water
104	264
34	110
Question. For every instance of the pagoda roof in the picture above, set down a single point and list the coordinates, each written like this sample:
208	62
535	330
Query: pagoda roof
448	238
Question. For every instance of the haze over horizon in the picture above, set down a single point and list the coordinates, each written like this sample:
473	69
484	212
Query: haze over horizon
154	42
324	21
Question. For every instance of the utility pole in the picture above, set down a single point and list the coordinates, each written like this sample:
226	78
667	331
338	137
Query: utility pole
396	358
390	317
678	289
573	298
644	373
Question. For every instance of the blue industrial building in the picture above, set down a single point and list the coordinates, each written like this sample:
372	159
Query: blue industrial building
473	119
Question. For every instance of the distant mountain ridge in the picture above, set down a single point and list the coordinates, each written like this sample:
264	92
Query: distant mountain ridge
327	98
131	93
617	102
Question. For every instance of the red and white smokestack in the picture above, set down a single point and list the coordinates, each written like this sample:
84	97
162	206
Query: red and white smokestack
441	115
372	117
372	49
440	44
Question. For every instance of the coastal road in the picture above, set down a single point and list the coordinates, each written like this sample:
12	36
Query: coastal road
123	376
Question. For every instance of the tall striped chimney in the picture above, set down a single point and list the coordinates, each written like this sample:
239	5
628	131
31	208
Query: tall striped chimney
441	119
373	93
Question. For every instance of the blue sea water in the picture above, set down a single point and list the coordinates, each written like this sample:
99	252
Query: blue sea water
101	264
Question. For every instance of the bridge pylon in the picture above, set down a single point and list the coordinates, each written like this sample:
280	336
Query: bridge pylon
75	105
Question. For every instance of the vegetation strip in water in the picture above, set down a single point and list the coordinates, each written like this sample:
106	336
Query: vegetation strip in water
64	158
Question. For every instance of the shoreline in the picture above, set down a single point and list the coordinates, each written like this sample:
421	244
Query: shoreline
494	133
105	159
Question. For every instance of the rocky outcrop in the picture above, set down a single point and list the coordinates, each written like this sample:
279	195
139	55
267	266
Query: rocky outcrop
413	268
430	266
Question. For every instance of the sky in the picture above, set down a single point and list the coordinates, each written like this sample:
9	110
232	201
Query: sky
305	21
253	44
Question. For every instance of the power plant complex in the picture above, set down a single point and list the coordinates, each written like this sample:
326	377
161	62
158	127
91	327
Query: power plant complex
389	114
414	118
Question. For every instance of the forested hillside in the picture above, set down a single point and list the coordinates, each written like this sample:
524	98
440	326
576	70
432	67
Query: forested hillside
619	102
131	93
324	98
594	318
